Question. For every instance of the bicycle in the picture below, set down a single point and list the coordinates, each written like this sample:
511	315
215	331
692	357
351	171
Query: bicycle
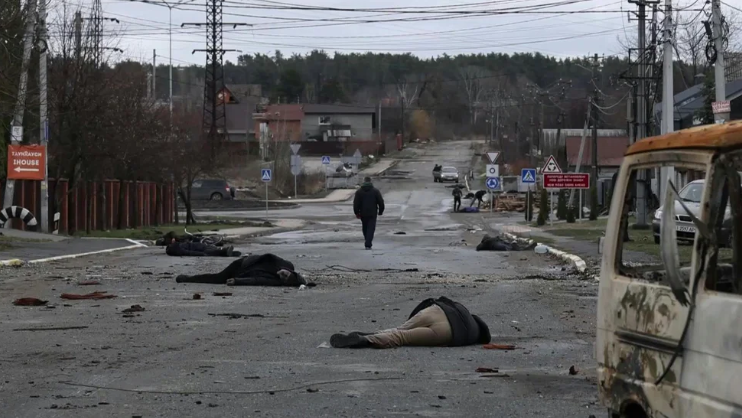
215	240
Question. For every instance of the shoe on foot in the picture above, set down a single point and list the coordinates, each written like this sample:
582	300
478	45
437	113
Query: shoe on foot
349	341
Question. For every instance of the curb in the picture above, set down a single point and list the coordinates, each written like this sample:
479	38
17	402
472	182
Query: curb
576	262
18	262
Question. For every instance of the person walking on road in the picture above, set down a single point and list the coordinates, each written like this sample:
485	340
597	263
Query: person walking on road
456	199
367	205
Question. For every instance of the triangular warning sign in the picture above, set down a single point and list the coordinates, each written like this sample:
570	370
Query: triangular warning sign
551	166
528	177
266	175
493	156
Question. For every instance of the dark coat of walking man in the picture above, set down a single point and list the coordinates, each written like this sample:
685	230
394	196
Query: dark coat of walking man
367	205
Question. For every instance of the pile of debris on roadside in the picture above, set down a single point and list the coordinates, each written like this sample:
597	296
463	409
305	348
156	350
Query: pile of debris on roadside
511	202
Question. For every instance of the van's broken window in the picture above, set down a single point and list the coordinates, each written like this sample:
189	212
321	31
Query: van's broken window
639	245
723	271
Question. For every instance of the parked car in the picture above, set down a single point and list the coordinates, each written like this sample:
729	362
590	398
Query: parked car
446	174
691	194
211	189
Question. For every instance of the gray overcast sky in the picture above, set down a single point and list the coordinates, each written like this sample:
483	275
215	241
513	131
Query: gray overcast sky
144	27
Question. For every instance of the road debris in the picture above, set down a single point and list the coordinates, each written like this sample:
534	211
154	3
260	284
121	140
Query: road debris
222	294
88	283
573	370
29	302
487	370
196	296
492	346
134	308
238	315
94	296
400	233
51	328
312	390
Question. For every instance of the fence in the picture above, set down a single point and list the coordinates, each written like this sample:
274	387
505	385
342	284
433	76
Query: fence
105	205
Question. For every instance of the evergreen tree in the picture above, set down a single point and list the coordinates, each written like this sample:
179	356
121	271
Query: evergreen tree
562	206
593	203
706	113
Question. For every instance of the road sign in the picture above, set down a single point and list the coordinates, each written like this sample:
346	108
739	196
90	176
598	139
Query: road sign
493	170
528	176
325	160
296	166
493	183
722	107
295	148
265	175
551	166
26	162
567	181
493	156
16	134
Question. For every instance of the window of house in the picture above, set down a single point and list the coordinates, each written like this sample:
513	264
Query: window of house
324	120
639	247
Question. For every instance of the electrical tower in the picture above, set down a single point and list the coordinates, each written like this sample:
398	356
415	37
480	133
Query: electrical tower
95	34
214	111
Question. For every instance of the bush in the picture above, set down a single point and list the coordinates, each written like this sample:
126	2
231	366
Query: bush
593	203
571	215
529	206
562	206
543	212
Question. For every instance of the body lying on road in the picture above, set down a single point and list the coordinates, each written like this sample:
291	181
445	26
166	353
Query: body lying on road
433	323
197	249
497	243
255	270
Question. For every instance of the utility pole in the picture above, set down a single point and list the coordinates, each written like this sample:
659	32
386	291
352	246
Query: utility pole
596	120
43	108
668	102
78	35
154	75
719	78
640	121
20	105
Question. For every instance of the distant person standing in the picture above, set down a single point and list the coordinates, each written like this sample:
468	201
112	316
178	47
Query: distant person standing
367	205
456	199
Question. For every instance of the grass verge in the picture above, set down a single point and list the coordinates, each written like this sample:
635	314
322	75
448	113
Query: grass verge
157	232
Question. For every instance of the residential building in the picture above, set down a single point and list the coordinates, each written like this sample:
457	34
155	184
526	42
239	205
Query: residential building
611	150
327	123
689	102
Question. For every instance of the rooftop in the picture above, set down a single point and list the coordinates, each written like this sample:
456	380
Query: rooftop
722	137
337	109
611	150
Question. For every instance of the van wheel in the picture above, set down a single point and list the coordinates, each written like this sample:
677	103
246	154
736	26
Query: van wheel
216	196
633	411
656	239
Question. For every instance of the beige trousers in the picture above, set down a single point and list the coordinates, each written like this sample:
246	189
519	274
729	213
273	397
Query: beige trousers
428	328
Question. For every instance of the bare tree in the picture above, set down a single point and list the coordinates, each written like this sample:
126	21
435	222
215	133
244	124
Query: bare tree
472	78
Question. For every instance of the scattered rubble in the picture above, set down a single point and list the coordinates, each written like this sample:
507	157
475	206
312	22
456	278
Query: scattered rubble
29	302
573	370
492	346
94	296
134	308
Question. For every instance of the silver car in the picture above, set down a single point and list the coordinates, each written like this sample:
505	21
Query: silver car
449	174
686	230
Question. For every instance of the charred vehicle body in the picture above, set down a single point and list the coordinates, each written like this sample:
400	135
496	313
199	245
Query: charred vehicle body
669	337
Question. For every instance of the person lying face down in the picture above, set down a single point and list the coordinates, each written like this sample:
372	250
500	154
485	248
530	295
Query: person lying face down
497	243
254	270
433	323
196	249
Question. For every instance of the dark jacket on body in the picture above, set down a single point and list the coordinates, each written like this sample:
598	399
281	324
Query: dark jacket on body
254	270
187	249
467	329
368	202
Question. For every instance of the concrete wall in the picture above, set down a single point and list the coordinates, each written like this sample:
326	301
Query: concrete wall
361	124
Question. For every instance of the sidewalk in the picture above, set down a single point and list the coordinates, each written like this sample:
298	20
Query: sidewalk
38	248
280	225
341	195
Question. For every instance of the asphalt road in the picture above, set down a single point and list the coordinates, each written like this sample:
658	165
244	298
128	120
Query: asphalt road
180	358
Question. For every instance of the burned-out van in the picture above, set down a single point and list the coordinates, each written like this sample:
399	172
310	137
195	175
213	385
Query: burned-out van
669	338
